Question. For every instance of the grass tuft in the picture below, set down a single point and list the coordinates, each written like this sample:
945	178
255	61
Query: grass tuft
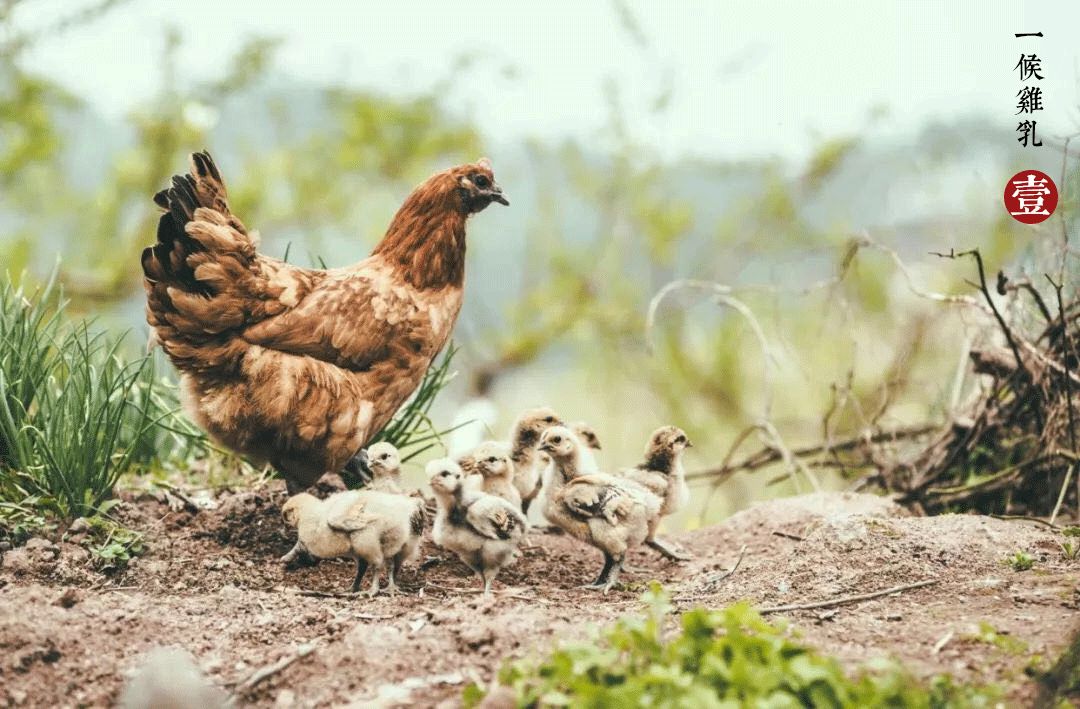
74	414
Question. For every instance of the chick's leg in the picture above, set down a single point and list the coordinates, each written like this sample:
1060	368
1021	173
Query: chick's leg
377	563
361	569
374	590
392	567
613	573
609	561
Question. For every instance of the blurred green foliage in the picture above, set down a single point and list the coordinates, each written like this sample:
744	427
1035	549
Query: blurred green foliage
726	658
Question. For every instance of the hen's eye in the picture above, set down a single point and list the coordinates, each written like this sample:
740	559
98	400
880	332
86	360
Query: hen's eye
481	181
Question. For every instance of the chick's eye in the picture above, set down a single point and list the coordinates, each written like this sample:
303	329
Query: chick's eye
385	456
491	460
556	439
681	439
549	419
481	181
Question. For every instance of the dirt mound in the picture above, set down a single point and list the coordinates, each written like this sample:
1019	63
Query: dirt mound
211	584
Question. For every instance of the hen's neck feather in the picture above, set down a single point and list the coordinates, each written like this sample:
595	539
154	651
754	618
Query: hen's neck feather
426	240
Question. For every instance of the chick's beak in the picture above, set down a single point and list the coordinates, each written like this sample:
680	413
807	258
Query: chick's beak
546	447
496	195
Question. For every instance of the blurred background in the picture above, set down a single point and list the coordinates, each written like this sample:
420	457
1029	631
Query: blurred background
790	167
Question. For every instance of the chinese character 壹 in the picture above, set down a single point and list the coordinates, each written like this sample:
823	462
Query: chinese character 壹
1029	195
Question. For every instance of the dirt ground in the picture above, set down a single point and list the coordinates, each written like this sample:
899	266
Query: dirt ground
210	583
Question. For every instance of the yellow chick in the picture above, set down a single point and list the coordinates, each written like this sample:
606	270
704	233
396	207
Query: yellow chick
529	465
490	462
605	511
377	529
483	530
661	473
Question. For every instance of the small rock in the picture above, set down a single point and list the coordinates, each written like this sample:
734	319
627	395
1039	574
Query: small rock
894	617
17	561
68	598
18	697
285	698
79	526
477	636
36	544
216	563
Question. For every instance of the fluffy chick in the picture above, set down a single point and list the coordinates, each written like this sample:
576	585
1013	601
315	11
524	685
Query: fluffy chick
606	511
482	529
490	462
383	463
529	464
377	529
587	435
661	473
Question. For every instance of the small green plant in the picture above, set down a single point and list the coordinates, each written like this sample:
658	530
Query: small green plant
1020	561
1070	549
21	520
731	657
1071	531
1003	641
111	544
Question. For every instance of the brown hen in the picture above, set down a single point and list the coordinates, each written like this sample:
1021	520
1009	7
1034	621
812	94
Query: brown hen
295	366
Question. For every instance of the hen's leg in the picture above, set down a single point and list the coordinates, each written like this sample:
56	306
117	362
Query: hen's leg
361	569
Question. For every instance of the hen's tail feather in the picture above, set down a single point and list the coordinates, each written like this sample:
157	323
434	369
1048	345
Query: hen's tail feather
187	273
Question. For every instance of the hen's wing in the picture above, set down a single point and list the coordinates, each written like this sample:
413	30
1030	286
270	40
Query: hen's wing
494	518
210	295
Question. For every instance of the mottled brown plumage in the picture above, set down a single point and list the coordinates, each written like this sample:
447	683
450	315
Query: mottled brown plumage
300	367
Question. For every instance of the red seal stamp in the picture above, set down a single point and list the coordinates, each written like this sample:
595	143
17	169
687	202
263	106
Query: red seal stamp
1031	196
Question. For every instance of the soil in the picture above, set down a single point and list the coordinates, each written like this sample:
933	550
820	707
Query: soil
210	583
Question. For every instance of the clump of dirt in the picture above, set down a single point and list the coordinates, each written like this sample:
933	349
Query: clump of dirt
210	584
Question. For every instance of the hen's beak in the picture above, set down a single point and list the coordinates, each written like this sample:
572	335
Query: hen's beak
496	195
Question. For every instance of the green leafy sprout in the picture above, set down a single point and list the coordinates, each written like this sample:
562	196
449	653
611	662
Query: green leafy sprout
1020	561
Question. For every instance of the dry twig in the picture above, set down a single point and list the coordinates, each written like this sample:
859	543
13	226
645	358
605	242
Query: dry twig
844	600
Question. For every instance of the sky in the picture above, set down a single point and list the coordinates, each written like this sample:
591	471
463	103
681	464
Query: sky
744	79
